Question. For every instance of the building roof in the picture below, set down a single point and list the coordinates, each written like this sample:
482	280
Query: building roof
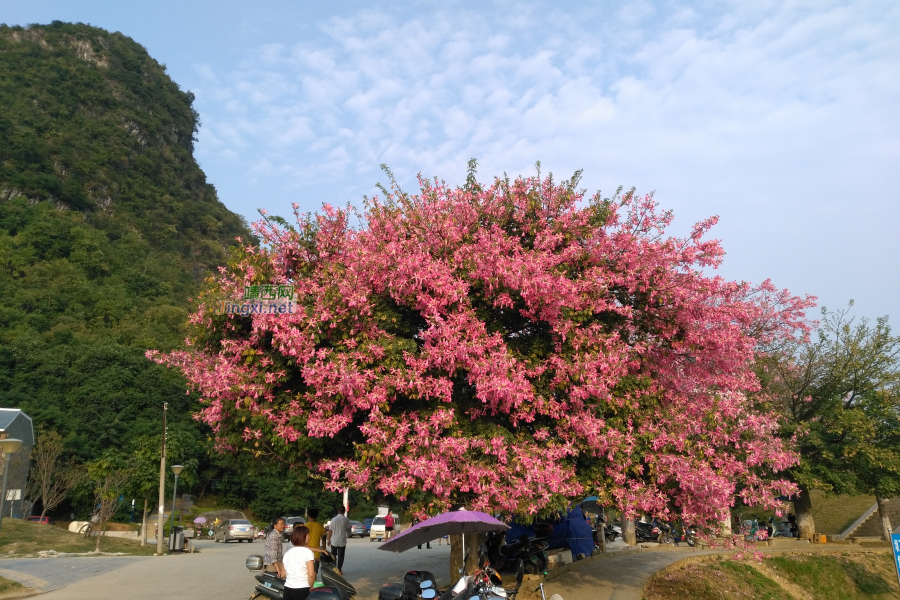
8	415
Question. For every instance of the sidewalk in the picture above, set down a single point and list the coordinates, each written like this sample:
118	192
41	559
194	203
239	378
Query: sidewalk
619	576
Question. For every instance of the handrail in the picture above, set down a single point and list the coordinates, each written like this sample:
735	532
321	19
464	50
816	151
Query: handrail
858	522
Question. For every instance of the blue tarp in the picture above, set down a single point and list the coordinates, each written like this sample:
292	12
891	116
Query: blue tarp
572	532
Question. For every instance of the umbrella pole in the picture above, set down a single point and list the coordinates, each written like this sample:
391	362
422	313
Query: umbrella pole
464	553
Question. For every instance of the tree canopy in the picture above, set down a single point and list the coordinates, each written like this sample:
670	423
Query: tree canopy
509	346
840	395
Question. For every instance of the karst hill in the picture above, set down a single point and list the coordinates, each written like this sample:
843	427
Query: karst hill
107	228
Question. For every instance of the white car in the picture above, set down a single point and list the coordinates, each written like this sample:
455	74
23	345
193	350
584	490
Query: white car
377	531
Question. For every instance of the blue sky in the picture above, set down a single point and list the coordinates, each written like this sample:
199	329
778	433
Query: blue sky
782	118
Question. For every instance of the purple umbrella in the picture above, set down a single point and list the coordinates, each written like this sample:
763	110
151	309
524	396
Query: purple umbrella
450	523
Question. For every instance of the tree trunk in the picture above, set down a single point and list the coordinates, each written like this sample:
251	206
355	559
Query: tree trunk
725	526
473	547
473	543
144	525
97	547
456	557
628	531
43	513
806	526
885	519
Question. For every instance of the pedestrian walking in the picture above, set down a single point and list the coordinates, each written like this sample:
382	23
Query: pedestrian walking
428	543
340	529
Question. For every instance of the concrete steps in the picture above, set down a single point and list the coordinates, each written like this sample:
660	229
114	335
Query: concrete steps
869	524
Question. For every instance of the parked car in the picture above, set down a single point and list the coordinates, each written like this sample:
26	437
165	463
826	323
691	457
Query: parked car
357	528
289	523
235	529
368	524
40	520
377	532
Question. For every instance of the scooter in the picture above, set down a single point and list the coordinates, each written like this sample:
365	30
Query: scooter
688	535
333	587
610	533
485	584
753	532
529	548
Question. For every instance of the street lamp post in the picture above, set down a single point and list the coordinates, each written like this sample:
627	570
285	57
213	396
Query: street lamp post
160	518
8	447
175	469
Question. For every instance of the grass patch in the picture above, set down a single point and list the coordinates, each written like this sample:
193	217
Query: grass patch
8	586
18	538
722	580
848	577
839	577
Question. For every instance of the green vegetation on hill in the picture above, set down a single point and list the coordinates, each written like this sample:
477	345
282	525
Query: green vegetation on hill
107	227
853	576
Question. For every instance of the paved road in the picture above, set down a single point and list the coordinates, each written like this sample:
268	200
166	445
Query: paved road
215	572
615	577
46	574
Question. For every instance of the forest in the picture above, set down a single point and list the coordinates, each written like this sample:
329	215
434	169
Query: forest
108	227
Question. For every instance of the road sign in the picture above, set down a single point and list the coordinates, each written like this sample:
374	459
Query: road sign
13	495
895	546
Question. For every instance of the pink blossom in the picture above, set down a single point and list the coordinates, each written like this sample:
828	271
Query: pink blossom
512	347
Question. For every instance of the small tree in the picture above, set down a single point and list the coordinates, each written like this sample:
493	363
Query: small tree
839	394
51	477
111	477
181	447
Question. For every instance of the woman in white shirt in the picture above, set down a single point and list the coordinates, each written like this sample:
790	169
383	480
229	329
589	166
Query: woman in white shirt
299	564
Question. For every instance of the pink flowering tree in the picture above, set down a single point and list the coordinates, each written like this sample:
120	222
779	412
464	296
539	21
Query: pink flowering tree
511	347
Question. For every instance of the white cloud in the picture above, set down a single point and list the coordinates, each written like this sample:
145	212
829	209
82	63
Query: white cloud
781	117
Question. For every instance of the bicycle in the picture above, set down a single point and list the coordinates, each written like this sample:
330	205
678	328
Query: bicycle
87	530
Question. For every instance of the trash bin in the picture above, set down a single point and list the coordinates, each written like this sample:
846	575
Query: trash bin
176	539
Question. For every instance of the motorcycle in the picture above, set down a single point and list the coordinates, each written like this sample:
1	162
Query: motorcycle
688	535
334	586
777	528
609	532
529	548
754	533
655	531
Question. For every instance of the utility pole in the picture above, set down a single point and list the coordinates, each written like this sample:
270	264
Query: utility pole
162	486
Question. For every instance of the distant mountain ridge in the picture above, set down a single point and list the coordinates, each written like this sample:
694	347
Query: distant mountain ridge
92	123
107	228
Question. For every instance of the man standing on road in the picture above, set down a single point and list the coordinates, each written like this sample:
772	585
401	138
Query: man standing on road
340	527
316	531
274	551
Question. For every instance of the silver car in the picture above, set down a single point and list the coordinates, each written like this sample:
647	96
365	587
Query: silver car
357	529
235	529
